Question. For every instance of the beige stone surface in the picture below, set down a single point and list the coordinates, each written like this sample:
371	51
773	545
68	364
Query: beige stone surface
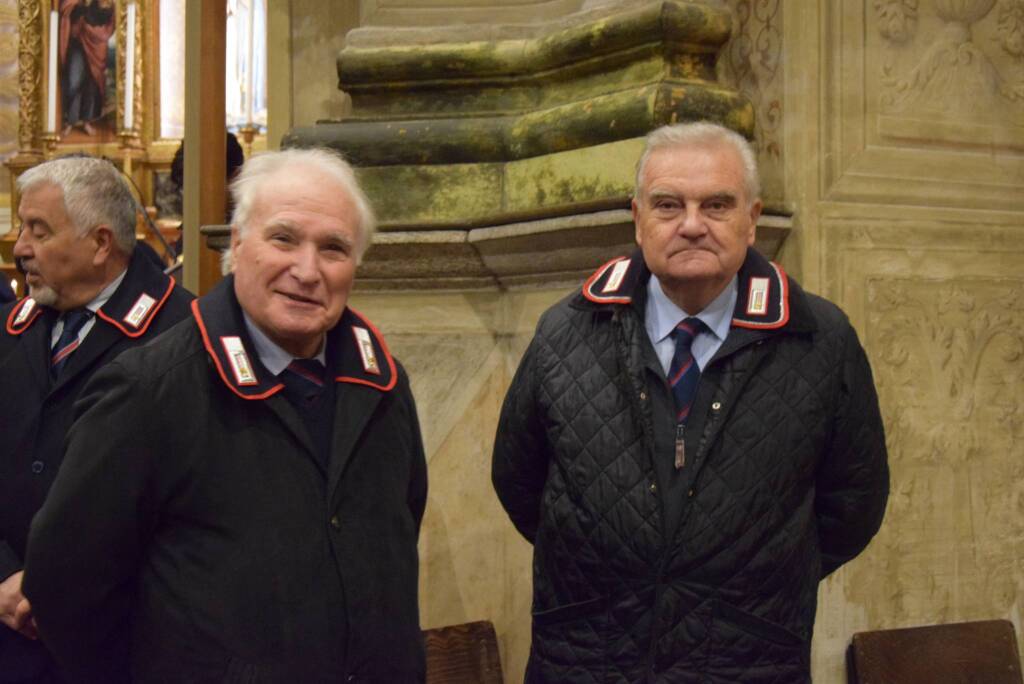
893	130
910	205
460	351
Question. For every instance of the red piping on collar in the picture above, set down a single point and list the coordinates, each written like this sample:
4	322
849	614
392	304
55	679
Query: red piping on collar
25	324
149	319
598	274
783	305
216	361
387	354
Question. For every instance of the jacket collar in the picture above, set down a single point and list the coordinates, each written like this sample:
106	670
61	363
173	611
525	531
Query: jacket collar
130	310
356	351
767	298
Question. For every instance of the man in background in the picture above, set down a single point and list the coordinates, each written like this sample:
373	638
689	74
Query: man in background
90	298
691	443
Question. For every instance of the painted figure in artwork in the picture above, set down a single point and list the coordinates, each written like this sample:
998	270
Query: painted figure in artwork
86	27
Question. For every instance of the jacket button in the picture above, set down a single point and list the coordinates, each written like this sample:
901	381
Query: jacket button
335	522
690	493
643	396
37	467
654	488
717	406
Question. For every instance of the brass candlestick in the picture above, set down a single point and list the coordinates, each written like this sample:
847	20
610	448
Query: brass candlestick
248	132
128	140
50	140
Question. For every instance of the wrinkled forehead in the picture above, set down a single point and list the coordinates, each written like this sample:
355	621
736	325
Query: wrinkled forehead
302	187
703	163
43	195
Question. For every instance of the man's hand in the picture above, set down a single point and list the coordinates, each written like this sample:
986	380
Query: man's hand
15	610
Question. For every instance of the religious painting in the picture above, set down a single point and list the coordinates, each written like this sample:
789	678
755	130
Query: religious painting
87	70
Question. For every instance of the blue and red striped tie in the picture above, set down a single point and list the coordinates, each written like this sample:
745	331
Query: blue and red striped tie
303	381
684	373
68	340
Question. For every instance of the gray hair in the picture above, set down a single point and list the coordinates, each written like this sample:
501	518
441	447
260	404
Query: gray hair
94	193
246	187
701	133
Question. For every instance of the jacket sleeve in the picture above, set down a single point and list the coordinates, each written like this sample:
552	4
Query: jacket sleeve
521	455
417	492
85	543
9	561
853	480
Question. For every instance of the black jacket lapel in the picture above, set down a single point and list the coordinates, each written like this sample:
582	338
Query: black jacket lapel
234	359
32	324
365	371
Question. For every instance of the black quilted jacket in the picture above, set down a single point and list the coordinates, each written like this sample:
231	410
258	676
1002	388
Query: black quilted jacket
789	482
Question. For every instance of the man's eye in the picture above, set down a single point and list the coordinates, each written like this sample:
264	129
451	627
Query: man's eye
283	238
335	249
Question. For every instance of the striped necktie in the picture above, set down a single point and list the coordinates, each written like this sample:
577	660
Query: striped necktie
68	340
303	381
684	372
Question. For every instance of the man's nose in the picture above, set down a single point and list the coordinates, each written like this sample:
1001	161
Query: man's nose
691	223
22	250
304	268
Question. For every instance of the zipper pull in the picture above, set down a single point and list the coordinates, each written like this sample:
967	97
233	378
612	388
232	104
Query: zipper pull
680	446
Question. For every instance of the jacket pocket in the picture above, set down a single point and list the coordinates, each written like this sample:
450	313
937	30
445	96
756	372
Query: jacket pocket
241	672
567	638
568	612
756	626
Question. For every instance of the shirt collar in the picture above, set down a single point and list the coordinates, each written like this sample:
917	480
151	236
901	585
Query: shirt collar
271	355
106	293
663	315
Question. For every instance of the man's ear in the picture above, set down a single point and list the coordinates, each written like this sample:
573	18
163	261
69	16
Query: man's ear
636	226
103	239
755	214
227	259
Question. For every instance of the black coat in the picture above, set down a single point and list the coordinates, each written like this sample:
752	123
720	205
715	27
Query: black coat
193	536
37	412
787	480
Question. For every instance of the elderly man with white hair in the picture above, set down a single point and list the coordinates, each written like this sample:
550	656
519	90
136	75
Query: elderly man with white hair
691	443
91	296
241	500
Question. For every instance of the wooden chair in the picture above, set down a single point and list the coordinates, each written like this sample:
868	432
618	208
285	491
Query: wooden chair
463	654
964	653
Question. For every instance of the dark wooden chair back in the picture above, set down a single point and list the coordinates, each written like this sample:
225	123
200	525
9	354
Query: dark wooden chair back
964	653
463	654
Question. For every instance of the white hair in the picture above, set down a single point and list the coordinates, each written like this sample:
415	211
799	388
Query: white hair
701	133
258	169
93	192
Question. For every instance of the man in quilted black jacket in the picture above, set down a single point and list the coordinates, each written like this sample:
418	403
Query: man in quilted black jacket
691	443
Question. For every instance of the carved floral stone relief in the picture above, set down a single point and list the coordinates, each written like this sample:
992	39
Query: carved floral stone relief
952	59
948	358
751	62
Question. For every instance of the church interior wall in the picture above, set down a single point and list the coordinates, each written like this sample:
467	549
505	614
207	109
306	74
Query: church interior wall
908	214
905	178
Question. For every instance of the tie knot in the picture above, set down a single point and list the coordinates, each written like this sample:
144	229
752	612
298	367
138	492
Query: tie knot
308	369
688	329
74	319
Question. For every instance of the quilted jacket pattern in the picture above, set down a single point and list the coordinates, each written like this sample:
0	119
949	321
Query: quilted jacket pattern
789	481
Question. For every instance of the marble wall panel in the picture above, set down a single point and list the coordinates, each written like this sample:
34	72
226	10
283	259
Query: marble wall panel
940	308
751	62
460	351
924	102
447	12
